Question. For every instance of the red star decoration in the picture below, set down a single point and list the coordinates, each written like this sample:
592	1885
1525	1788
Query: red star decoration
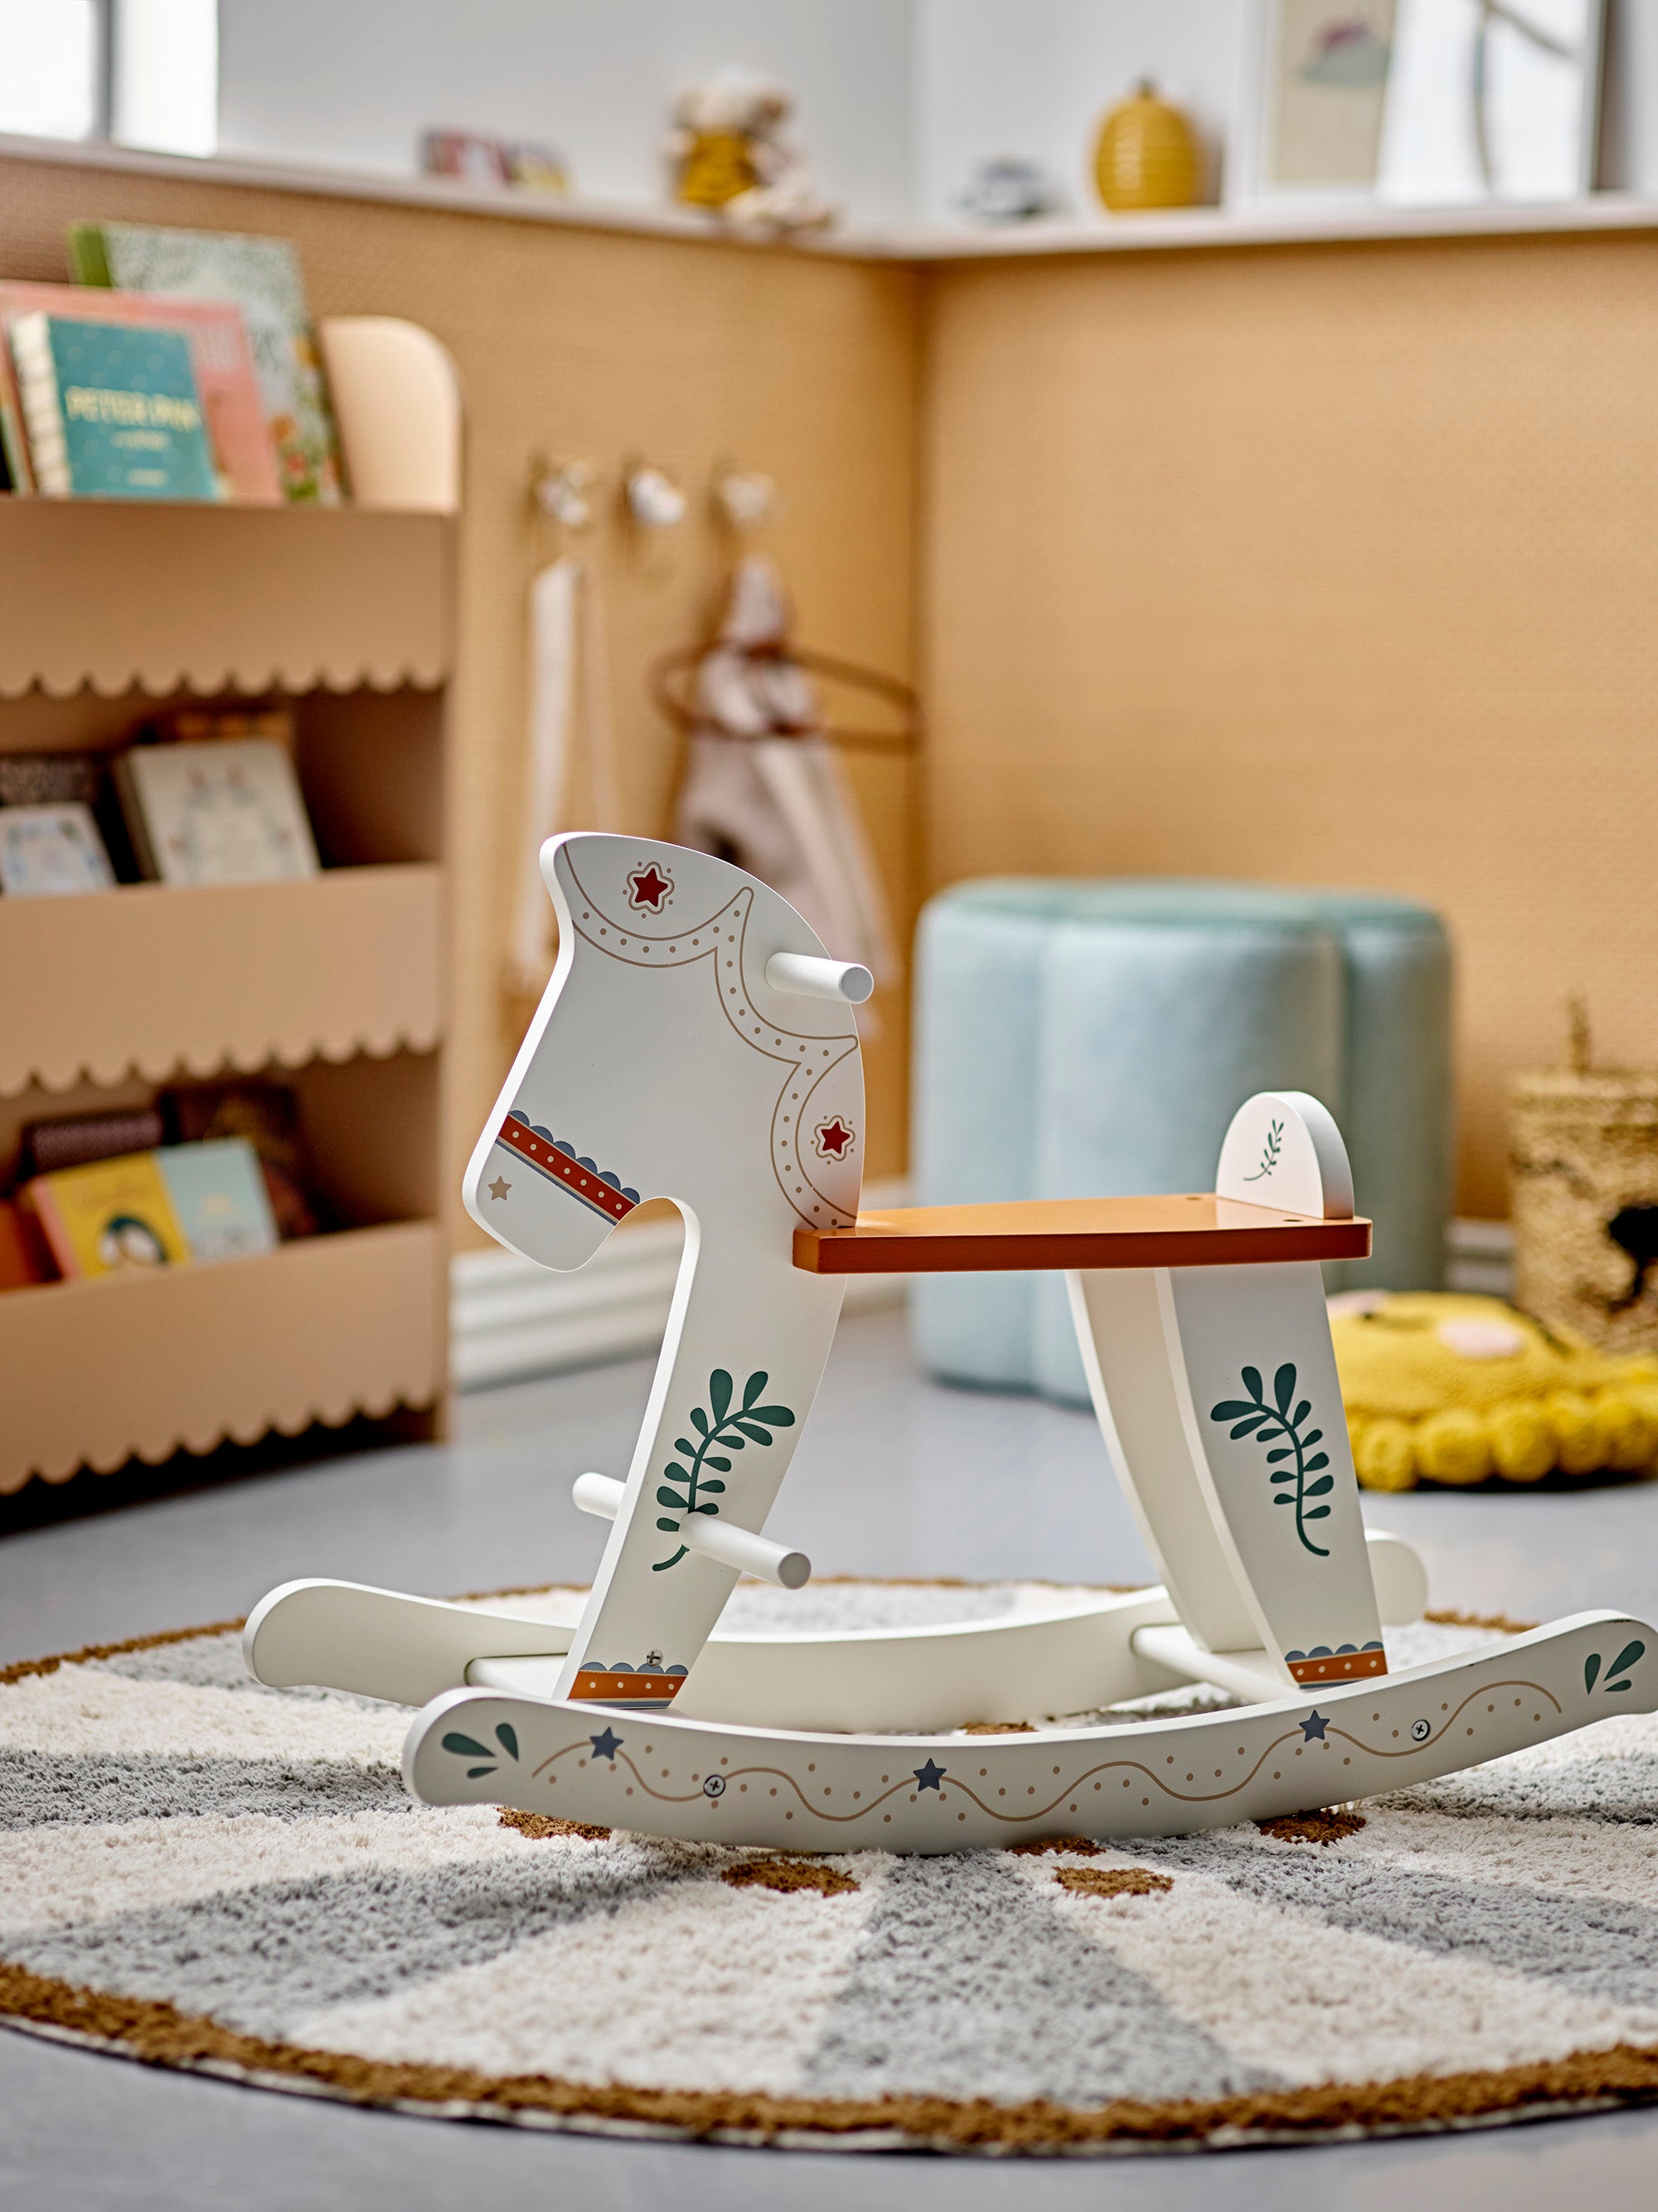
650	887
834	1137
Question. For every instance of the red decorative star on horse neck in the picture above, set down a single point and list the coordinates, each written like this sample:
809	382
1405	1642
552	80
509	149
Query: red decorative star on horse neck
834	1139
650	887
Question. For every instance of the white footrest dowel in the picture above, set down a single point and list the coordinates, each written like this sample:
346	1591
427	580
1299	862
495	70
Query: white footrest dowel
1245	1673
732	1547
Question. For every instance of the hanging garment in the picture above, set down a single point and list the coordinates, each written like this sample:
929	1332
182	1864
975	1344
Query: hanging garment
567	658
763	787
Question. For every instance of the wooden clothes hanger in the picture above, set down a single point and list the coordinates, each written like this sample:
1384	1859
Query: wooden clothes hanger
684	658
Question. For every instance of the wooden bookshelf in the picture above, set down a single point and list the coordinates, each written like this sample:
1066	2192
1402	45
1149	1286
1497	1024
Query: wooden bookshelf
336	985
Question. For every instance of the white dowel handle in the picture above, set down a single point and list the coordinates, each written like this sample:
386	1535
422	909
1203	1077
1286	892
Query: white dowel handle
806	976
599	1494
602	1494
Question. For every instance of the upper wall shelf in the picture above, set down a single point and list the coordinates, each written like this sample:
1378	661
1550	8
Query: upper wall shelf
1276	223
1286	223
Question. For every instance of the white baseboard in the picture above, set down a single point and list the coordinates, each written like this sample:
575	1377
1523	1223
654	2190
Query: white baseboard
511	1320
1479	1258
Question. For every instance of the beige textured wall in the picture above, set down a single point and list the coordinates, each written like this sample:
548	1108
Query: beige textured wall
1322	566
603	346
1313	564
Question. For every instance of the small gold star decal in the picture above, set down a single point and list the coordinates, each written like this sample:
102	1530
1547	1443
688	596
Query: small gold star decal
500	1187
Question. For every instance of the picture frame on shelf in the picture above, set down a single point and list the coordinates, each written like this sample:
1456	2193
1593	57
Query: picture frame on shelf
1310	109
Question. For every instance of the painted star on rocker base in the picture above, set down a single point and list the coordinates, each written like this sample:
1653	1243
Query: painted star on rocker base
835	1140
1313	1727
929	1777
500	1187
607	1745
649	887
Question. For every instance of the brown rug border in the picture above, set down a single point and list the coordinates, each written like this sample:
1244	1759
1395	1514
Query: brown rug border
156	2034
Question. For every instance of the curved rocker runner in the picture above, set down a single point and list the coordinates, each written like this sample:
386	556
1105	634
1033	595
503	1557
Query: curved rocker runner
697	1045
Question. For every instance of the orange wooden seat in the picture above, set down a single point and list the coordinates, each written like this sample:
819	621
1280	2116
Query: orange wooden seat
1195	1229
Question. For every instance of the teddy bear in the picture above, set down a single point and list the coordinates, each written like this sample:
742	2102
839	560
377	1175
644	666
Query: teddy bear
732	155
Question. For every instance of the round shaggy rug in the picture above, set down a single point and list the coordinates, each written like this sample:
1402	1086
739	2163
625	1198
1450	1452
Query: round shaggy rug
202	1873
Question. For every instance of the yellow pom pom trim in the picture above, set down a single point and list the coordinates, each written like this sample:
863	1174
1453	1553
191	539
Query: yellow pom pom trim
1453	1446
1385	1456
1429	1405
1523	1444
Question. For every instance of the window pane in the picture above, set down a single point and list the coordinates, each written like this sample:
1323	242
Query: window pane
167	75
49	83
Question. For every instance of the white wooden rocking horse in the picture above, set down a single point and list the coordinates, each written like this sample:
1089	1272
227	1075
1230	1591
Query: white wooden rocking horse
695	1043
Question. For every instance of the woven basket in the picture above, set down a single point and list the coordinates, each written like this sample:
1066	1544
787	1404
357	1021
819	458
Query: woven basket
1583	1163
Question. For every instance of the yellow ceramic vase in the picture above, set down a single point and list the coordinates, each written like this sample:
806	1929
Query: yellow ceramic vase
1147	156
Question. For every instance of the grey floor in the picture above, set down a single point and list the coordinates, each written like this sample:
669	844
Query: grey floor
895	1477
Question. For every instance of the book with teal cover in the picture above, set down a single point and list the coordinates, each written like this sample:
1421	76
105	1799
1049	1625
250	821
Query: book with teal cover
112	410
218	1195
262	277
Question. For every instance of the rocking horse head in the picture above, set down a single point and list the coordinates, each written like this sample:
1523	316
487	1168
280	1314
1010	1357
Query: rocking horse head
673	1056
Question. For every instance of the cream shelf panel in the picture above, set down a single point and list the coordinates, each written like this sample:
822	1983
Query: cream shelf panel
95	1373
111	594
155	980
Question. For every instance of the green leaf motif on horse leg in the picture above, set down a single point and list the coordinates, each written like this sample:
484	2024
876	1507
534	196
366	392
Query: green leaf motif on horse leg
1272	1419
699	1481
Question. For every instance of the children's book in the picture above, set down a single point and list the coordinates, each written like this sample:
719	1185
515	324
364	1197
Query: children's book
268	1114
24	1259
219	1199
71	779
112	411
262	277
51	852
51	779
69	1140
112	1218
225	811
244	457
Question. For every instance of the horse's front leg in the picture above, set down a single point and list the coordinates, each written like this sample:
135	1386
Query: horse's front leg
746	1345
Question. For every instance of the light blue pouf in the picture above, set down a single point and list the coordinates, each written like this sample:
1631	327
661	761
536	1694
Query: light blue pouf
1095	1039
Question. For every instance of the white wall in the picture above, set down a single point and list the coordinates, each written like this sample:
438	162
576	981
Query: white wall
898	98
354	81
1034	77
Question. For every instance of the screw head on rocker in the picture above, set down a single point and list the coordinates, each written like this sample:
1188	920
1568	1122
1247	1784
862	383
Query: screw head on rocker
1284	1149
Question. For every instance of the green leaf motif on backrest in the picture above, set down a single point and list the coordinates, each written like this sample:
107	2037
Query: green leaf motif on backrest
1269	1153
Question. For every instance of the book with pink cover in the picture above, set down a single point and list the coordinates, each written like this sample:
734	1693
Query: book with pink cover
237	429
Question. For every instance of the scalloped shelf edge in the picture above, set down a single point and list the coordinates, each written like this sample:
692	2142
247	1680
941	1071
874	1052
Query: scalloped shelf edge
195	979
243	1059
246	681
208	597
318	1330
155	1450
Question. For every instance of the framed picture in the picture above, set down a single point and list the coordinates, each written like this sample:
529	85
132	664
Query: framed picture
1493	100
1314	91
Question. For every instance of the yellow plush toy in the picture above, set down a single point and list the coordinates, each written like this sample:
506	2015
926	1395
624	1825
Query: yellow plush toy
1452	1390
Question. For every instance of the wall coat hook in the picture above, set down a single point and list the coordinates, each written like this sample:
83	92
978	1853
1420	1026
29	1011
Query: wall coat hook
744	500
653	499
563	491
